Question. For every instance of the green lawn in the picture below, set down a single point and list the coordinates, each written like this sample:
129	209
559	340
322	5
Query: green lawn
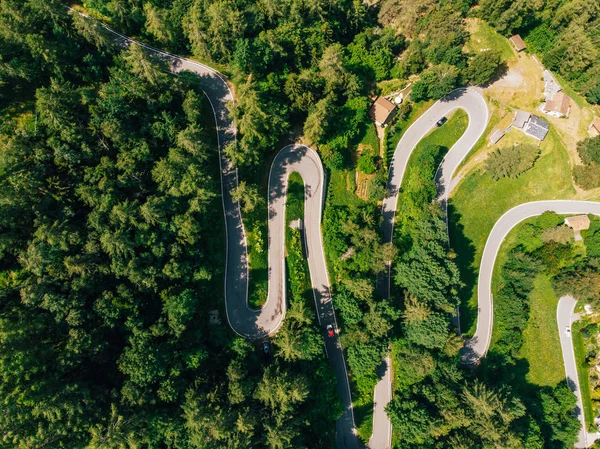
447	134
545	367
479	201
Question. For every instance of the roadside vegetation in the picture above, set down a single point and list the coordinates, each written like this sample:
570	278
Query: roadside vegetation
525	351
548	178
436	404
538	263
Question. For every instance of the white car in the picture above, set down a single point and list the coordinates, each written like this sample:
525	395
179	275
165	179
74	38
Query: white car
568	331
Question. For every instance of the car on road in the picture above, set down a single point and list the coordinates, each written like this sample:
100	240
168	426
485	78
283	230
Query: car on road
330	330
441	121
568	331
266	347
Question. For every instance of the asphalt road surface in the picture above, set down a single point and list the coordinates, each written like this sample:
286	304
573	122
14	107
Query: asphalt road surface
565	317
471	101
382	428
258	323
476	347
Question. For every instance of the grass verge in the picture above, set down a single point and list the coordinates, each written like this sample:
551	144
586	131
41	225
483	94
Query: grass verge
582	372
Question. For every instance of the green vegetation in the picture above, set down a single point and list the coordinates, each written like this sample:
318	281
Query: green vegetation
484	37
298	273
525	321
417	188
545	365
510	162
484	66
254	211
562	33
583	337
370	139
111	230
111	240
409	112
588	175
435	404
470	226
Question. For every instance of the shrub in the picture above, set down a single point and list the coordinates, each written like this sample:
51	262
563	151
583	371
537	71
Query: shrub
483	66
366	164
510	162
587	176
589	150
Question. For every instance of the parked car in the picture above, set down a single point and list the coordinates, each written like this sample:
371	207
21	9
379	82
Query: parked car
330	331
266	347
441	121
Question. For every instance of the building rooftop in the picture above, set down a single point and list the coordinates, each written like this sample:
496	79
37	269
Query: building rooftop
578	222
560	103
596	124
382	111
518	42
537	127
520	118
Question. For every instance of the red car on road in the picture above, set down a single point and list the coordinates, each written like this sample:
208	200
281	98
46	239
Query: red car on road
330	330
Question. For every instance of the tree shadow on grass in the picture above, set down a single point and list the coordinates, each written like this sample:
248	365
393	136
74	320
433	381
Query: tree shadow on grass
553	408
465	256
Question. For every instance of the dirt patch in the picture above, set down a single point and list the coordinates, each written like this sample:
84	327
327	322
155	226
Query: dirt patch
522	87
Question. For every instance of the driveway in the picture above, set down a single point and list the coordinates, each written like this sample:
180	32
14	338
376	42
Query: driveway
476	347
565	317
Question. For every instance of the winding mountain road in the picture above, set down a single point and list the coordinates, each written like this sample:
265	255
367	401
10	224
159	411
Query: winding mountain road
565	317
476	347
472	102
252	323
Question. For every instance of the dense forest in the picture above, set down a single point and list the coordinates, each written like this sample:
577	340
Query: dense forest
110	266
112	245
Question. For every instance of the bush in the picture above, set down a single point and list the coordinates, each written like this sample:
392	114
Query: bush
510	162
589	150
366	164
483	66
587	176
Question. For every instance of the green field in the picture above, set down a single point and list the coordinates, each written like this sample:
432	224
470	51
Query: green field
546	366
479	201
